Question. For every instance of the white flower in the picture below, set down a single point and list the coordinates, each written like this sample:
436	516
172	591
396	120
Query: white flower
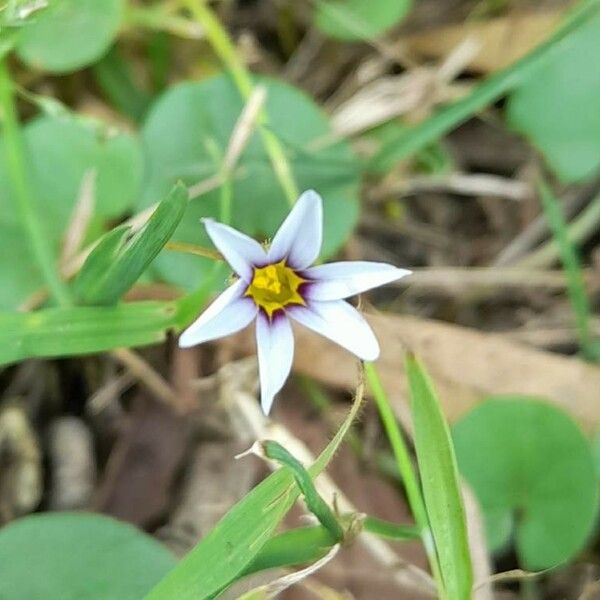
277	284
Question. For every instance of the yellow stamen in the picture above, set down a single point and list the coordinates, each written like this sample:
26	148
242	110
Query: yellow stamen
275	286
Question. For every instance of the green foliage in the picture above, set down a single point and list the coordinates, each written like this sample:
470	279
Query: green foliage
120	258
78	556
292	548
22	277
533	472
572	267
69	34
415	138
56	171
117	80
186	135
439	480
72	331
357	19
227	551
232	544
314	501
557	107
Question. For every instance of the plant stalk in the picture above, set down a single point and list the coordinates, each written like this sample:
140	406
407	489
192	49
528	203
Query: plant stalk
39	244
225	50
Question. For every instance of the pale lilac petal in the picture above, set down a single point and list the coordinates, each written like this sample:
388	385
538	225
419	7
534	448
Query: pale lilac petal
341	323
334	281
229	313
275	346
239	250
299	238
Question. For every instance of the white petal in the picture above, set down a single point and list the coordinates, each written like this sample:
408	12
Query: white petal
239	250
275	346
334	281
229	313
341	323
300	235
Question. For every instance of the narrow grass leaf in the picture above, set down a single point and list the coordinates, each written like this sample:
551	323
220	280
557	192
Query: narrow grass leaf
292	548
439	480
413	139
118	260
71	331
314	501
571	265
226	552
308	544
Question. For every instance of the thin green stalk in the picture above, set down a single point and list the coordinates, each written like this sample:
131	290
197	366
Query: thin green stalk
579	230
413	139
384	461
407	473
23	195
571	265
225	50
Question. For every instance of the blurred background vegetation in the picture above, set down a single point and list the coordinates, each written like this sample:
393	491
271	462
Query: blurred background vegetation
457	138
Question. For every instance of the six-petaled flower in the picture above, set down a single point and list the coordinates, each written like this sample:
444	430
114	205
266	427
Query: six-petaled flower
277	284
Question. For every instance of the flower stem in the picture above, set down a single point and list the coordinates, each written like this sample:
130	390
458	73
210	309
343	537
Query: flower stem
407	473
225	50
23	197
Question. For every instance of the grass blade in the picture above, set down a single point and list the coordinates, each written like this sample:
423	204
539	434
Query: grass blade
117	261
572	267
405	468
439	480
314	501
71	331
292	548
413	139
227	551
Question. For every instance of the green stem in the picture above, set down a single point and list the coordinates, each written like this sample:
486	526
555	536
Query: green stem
407	472
414	139
571	264
579	230
41	249
225	50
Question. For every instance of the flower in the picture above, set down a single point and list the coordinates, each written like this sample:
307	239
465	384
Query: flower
277	284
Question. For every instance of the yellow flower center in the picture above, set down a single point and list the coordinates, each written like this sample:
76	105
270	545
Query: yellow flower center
275	286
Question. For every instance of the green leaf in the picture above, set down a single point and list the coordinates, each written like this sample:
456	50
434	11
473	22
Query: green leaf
571	266
69	34
118	260
357	19
60	150
116	78
417	137
189	128
292	548
22	277
439	480
557	106
72	331
314	501
78	556
223	555
533	472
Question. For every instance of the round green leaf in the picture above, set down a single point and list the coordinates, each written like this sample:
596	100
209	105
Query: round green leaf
20	277
78	556
357	19
557	108
187	133
533	472
69	34
60	150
